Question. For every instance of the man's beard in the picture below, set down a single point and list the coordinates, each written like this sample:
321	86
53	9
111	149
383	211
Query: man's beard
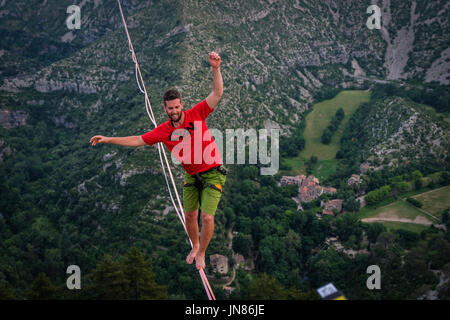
176	117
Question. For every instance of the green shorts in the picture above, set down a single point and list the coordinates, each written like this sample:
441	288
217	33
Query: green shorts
210	197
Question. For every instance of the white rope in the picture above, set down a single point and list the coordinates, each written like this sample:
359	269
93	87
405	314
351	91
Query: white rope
148	108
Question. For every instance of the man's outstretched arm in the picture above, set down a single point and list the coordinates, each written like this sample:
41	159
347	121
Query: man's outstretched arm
131	141
214	97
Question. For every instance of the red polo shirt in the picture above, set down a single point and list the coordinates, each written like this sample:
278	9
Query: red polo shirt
191	143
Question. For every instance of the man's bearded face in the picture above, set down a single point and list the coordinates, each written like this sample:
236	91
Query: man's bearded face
174	109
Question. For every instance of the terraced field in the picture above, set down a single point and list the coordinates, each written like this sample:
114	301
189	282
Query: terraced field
316	122
435	201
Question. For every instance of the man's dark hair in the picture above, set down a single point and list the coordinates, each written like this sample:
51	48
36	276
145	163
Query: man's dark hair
171	94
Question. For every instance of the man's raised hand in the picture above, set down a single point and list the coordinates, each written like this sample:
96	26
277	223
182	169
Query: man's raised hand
98	139
214	59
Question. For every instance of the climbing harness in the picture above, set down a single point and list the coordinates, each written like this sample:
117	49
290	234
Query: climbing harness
162	153
200	182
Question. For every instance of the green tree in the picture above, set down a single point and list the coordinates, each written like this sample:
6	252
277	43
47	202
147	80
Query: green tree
445	177
293	293
42	289
446	217
373	230
265	287
326	266
6	292
374	197
415	202
438	251
407	239
340	114
109	281
416	176
418	184
142	283
326	136
229	215
292	254
242	244
399	187
416	267
385	192
388	256
351	204
348	225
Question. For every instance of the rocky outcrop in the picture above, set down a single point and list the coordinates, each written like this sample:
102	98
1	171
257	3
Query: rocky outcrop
12	119
399	131
5	150
175	31
62	121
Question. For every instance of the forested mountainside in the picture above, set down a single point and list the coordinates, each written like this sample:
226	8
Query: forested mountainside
65	202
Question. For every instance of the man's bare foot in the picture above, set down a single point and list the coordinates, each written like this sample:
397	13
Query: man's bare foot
191	257
200	261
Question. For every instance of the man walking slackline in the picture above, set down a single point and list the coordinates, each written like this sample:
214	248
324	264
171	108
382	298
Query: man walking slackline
187	137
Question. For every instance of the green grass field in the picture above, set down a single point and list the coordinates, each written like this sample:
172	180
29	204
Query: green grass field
397	215
319	118
435	201
316	122
397	209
